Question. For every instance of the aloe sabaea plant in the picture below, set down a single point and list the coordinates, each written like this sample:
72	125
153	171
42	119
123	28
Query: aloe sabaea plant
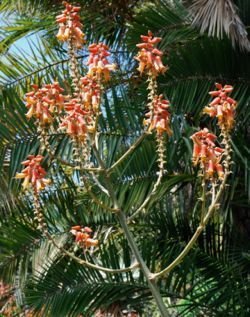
77	115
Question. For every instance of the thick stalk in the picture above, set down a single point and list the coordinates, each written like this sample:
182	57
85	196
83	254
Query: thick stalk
123	222
151	283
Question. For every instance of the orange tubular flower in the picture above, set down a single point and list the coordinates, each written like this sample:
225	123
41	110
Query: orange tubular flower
222	107
90	93
76	122
43	102
70	26
207	154
99	67
159	120
83	236
33	173
149	57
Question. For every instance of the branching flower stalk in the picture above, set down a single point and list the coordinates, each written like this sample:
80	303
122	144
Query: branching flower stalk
149	58
78	123
131	241
199	230
34	179
209	157
78	118
158	116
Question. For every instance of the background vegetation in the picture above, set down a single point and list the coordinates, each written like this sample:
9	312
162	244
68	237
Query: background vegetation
213	280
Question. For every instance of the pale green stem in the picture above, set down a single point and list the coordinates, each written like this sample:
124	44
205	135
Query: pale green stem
128	152
197	233
89	264
203	197
123	221
43	228
161	163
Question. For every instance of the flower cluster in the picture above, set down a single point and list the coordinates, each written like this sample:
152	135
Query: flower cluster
76	122
83	236
43	102
99	66
207	154
33	173
90	94
149	56
159	118
70	26
222	107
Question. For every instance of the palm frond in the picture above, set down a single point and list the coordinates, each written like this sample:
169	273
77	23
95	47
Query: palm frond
217	17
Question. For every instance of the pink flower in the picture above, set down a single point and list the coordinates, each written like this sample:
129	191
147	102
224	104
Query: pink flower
33	174
207	154
76	122
83	236
43	102
149	57
99	66
222	107
90	93
70	26
159	118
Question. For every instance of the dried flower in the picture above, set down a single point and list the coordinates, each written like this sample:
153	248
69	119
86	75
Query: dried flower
43	102
83	236
159	118
149	56
207	154
99	66
33	173
222	107
76	122
70	26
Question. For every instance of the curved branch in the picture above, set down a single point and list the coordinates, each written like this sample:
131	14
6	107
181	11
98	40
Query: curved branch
197	232
129	151
146	201
89	264
131	241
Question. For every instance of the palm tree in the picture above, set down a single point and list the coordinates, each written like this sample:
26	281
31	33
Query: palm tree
213	280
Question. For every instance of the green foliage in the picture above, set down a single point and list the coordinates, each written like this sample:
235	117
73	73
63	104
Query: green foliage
213	280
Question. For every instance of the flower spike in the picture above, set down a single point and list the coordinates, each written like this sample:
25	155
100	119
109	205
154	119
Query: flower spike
70	26
99	66
83	236
77	121
159	118
207	154
44	102
90	94
149	56
222	107
33	174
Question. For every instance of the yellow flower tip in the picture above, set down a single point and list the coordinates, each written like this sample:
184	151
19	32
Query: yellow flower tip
60	37
26	182
91	129
207	110
169	131
47	181
91	242
20	175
